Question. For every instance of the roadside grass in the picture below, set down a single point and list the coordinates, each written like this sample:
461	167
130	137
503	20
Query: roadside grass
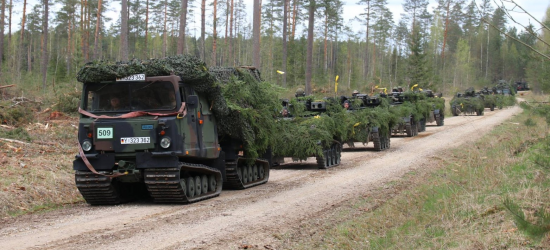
464	204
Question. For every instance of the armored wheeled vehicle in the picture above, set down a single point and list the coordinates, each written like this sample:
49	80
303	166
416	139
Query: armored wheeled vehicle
306	131
156	135
410	124
469	103
437	107
367	121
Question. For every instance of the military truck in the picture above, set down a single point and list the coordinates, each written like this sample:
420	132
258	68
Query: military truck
469	103
368	121
162	140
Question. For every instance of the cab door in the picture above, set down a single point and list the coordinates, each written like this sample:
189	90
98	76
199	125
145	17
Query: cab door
207	129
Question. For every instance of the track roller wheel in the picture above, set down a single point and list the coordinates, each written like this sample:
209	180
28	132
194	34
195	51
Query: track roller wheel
212	183
204	184
190	181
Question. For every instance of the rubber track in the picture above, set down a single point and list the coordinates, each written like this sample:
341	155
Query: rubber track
233	180
376	141
164	184
97	189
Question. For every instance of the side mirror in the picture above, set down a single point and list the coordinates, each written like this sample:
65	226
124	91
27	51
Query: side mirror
192	101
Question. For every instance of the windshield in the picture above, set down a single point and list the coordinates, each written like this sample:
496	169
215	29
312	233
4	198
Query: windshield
130	96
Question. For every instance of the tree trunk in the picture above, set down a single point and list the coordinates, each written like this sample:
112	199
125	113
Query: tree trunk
82	18
183	22
325	56
69	46
96	36
164	31
487	49
231	59
294	11
214	33
88	20
29	55
45	45
445	33
366	66
9	24
23	23
2	24
285	15
203	29
124	31
146	29
256	34
309	57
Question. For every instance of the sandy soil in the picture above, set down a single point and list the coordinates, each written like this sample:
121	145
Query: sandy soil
253	217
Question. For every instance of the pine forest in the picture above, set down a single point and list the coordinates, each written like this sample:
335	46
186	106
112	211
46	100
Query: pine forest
295	43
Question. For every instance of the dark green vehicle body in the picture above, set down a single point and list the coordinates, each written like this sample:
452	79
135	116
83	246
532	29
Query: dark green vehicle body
129	155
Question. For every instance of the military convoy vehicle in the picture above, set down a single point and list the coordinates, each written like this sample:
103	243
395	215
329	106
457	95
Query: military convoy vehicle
437	111
522	86
410	125
307	131
469	103
156	135
489	98
368	123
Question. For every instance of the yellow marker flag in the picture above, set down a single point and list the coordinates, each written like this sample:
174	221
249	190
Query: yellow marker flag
420	89
416	85
280	72
336	84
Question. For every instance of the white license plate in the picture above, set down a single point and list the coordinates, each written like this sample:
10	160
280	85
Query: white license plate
135	140
104	133
136	77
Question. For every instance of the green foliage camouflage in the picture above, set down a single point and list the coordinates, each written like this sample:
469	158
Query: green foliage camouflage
243	104
505	101
490	101
468	104
303	137
360	122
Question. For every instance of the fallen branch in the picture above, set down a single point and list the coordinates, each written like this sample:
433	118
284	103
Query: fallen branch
11	140
7	86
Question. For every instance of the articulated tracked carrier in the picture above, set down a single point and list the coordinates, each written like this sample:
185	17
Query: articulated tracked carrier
158	136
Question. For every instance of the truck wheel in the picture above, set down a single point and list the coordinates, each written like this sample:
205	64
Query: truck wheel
493	107
245	174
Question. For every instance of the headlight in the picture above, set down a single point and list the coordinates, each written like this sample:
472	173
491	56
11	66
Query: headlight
86	145
165	142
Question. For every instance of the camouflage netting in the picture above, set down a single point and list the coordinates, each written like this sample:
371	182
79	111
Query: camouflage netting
243	105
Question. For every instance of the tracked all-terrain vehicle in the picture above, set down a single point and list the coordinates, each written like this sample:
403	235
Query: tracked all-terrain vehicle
161	140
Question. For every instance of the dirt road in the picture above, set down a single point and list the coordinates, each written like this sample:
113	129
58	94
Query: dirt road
295	192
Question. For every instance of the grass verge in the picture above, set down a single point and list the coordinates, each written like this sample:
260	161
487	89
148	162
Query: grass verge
472	200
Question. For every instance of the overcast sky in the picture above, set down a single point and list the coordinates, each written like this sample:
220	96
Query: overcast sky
536	8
